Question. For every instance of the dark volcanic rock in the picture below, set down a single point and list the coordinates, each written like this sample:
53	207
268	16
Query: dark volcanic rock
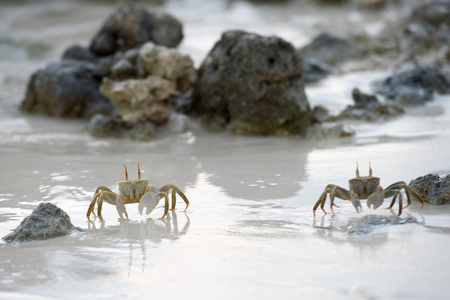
315	70
253	83
77	52
66	89
414	86
132	25
432	188
368	108
331	49
46	221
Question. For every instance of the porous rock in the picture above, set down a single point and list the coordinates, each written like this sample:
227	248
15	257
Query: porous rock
45	222
254	84
131	25
414	86
162	73
69	88
432	188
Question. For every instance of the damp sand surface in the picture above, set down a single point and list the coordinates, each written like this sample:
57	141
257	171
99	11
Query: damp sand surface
249	231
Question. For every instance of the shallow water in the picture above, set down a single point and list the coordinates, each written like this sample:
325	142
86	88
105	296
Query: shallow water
249	231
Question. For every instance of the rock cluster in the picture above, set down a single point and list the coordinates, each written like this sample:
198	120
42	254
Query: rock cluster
130	81
71	87
254	84
423	37
369	108
45	222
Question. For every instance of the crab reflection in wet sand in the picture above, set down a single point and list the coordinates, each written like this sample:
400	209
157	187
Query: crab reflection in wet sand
135	191
368	187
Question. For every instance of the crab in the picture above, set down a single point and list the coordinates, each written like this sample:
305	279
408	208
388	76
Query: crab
135	191
368	187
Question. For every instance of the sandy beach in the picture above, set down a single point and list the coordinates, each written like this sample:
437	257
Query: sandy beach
249	231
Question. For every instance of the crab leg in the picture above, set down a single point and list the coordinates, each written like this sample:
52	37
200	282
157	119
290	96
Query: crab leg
321	201
98	192
410	191
166	204
400	203
334	191
101	194
120	206
395	189
175	190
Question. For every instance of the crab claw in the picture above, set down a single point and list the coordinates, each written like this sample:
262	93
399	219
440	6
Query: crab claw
121	208
150	200
357	204
376	199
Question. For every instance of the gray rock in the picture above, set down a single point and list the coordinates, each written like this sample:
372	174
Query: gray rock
69	88
328	131
106	126
432	188
77	52
315	70
332	50
434	13
83	54
320	114
130	26
114	127
368	108
254	84
143	132
414	86
45	222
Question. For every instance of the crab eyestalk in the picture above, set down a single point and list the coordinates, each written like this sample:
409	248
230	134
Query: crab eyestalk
139	171
126	173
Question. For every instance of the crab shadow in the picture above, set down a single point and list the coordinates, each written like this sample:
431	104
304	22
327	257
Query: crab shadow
368	230
154	230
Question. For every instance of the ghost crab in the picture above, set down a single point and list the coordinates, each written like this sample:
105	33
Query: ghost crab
368	187
135	191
